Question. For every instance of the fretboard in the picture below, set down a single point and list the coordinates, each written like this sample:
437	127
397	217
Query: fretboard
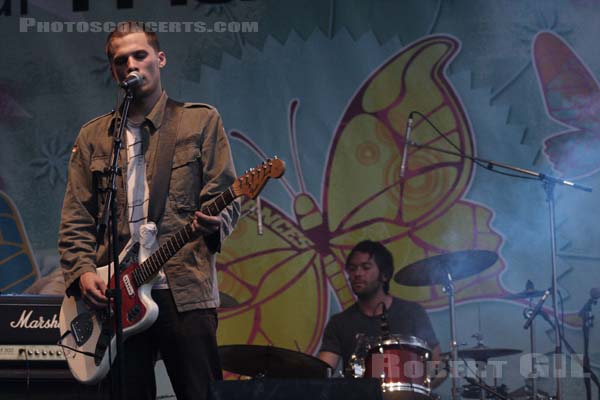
149	268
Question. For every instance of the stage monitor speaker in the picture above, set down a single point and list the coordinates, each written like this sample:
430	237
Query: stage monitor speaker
296	389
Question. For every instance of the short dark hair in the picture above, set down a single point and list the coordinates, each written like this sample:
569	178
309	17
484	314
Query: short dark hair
382	257
125	28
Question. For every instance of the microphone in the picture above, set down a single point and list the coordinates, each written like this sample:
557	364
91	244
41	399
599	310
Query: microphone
536	310
409	124
594	296
132	80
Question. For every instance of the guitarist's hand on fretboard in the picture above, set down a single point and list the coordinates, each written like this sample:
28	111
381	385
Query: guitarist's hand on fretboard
205	224
93	289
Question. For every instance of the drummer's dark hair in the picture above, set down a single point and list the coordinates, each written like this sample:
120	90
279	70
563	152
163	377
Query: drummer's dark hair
382	257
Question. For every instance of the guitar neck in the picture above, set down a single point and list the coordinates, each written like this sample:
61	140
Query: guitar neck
152	264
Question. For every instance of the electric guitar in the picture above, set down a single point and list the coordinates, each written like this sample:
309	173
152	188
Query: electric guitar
86	334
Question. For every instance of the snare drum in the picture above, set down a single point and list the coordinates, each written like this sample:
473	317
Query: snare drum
400	363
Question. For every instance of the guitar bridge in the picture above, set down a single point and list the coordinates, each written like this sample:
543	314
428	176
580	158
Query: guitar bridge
82	327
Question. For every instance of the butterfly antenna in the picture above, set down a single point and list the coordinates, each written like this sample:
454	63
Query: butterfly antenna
293	108
261	155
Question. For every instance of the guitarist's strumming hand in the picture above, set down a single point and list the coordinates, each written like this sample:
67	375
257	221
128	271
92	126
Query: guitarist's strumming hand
93	290
206	224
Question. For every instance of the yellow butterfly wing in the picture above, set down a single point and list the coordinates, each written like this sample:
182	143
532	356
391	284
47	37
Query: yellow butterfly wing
278	280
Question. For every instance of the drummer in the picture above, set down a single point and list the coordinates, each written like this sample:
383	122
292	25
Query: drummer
370	267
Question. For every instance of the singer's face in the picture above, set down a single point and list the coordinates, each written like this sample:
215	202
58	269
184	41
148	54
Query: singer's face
364	275
133	53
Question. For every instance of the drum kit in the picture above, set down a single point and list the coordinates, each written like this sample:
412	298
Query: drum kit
403	363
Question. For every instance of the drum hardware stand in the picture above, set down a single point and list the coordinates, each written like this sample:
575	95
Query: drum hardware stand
549	182
572	351
529	315
588	322
449	290
478	336
486	388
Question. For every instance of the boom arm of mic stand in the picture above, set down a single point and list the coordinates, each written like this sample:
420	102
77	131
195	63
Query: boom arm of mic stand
491	164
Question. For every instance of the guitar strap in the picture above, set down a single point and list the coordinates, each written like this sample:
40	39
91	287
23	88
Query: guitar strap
163	162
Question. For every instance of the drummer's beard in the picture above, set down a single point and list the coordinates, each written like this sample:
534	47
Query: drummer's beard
369	290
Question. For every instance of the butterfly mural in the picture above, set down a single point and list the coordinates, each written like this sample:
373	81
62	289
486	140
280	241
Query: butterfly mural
572	98
283	279
18	269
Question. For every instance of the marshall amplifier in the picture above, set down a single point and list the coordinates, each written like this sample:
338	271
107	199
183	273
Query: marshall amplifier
32	366
29	319
28	334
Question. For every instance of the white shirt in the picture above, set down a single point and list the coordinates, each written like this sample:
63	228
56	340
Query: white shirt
137	190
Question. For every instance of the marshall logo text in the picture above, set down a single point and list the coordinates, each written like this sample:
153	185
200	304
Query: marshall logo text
26	322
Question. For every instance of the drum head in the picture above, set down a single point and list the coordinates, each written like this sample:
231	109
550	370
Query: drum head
399	341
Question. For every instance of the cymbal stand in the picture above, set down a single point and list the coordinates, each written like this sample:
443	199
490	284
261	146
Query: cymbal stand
533	374
481	370
448	289
481	366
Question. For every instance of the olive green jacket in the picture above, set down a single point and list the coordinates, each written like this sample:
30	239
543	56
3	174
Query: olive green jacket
202	168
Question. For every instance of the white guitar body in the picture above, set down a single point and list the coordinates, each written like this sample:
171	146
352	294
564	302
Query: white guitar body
82	329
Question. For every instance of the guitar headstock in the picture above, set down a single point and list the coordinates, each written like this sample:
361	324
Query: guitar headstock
252	182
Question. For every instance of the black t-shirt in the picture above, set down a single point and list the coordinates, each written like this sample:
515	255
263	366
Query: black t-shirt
403	317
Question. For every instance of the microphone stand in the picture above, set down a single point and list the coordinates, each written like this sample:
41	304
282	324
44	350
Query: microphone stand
118	389
549	182
590	373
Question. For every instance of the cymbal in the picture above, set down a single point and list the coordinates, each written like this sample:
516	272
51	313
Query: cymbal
227	301
483	353
434	270
525	294
270	362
